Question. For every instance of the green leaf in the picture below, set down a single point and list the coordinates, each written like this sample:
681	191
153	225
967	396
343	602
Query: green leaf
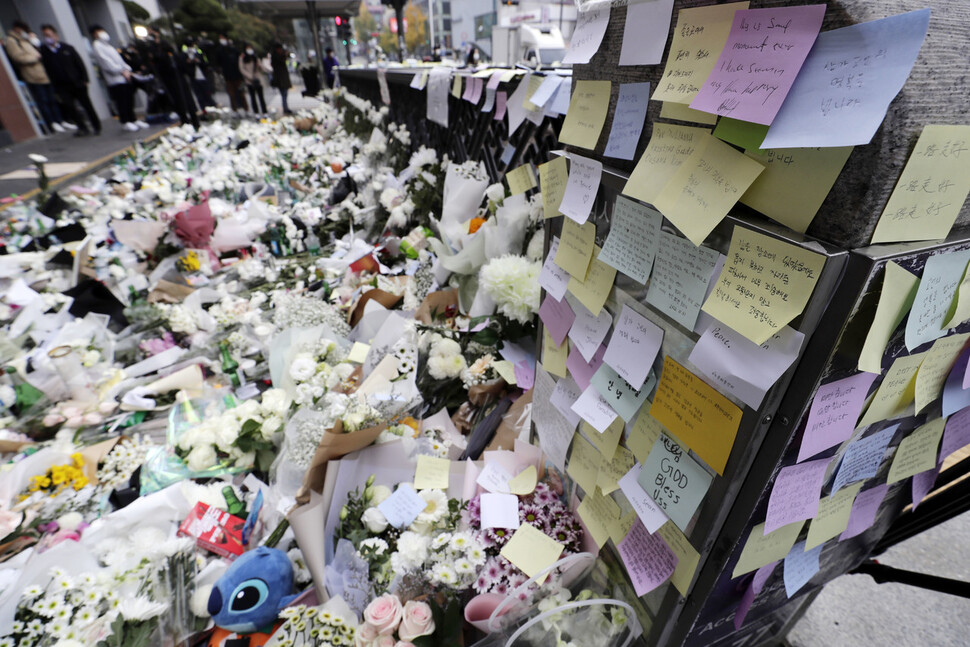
264	459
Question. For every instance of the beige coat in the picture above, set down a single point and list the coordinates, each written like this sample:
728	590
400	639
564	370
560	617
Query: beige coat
27	59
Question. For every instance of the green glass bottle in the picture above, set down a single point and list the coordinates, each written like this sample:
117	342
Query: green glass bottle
229	364
234	506
27	394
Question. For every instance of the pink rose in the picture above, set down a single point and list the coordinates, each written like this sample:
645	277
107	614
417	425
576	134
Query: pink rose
366	634
417	621
384	641
402	643
384	613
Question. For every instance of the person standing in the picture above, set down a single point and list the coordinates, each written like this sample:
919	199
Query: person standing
330	63
169	68
250	67
197	68
67	74
228	58
23	47
281	74
117	76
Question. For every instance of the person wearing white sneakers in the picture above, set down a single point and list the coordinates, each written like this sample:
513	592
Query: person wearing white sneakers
23	47
117	76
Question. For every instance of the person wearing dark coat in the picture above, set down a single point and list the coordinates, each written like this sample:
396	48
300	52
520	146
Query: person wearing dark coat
169	67
330	63
197	68
69	77
281	74
227	55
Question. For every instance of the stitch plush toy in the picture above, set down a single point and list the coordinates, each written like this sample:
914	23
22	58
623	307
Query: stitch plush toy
247	599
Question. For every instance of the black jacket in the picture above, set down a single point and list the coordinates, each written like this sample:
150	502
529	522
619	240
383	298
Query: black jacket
64	66
228	58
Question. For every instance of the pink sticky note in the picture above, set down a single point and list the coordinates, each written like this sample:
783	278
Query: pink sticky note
864	511
956	435
648	559
966	376
500	98
581	371
795	494
477	85
467	94
525	375
763	54
557	317
757	583
834	412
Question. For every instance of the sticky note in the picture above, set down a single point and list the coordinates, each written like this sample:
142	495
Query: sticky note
645	32
358	353
740	367
765	284
687	557
833	516
524	483
594	409
649	513
534	83
761	549
501	103
499	511
623	398
431	473
532	551
863	457
595	289
757	583
847	82
554	431
456	87
584	120
633	346
923	484
565	393
669	147
419	80
628	118
581	370
683	112
800	566
647	558
833	414
576	247
795	493
607	441
620	528
613	470
584	463
696	414
402	507
559	104
553	176
898	292
682	271
634	239
516	104
935	368
547	86
438	82
581	188
589	330
505	370
554	355
700	32
587	34
521	179
917	452
643	435
864	510
955	397
956	436
896	392
557	317
743	134
494	477
552	278
759	62
795	182
598	512
674	480
704	188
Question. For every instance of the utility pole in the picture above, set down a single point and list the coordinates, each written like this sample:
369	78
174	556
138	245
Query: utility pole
398	6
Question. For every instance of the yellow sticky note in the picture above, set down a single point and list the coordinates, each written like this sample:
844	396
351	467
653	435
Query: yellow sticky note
683	112
599	512
584	463
795	182
613	470
669	147
554	355
525	482
553	177
606	442
620	528
531	550
762	549
896	392
687	557
700	35
917	452
521	179
960	309
705	187
936	367
644	434
932	189
696	413
358	353
576	247
534	82
765	284
432	473
898	292
506	370
456	87
833	516
595	289
584	120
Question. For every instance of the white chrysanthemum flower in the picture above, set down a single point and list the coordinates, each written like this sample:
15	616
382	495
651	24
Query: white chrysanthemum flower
141	608
513	283
445	367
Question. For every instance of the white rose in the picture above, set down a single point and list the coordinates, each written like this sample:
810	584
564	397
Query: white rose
201	458
495	192
303	367
375	520
379	494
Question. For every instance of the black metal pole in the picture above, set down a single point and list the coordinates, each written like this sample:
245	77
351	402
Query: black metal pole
311	7
882	574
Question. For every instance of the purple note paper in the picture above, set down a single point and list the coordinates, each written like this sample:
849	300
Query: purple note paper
582	371
923	483
834	412
758	65
525	375
501	97
957	434
648	559
955	397
557	317
864	510
795	494
757	583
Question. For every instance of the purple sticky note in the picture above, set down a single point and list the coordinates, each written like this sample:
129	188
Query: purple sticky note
966	376
864	510
525	375
956	435
923	483
500	98
557	317
800	566
795	494
955	397
582	371
759	62
834	412
754	588
648	559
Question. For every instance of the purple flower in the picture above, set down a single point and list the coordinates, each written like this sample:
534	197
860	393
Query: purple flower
531	514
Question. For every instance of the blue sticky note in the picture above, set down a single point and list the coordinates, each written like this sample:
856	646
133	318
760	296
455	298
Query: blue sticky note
937	287
631	110
800	566
863	457
507	154
674	480
402	507
955	397
623	398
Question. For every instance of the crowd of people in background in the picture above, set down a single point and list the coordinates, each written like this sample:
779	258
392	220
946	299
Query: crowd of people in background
178	82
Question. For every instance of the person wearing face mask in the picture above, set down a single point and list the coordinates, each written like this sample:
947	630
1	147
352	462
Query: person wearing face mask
23	48
117	76
169	67
70	79
251	69
228	58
